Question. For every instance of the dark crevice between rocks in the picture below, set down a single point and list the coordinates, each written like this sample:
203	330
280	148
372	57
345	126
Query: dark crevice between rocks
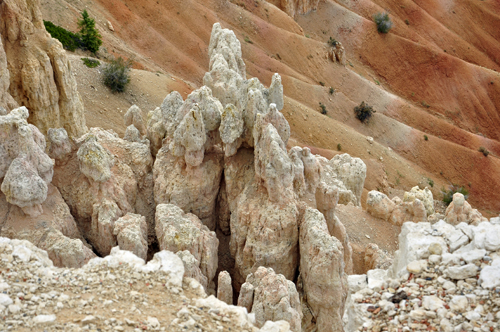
226	261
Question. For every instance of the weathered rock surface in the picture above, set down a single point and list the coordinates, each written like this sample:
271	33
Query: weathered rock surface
192	268
133	116
131	233
54	230
39	70
178	231
425	196
25	169
273	298
224	287
89	179
337	53
379	205
460	210
322	271
193	189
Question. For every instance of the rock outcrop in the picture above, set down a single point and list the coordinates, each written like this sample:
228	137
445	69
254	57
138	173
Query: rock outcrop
38	69
417	206
102	179
322	272
271	296
337	53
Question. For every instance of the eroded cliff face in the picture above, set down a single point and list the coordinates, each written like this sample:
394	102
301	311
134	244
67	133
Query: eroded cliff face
35	70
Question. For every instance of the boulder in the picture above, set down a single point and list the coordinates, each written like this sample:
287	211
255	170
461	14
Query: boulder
425	196
274	298
178	231
460	210
379	205
192	268
133	116
132	234
25	168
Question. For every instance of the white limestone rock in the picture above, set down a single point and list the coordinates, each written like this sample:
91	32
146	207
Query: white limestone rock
425	196
379	205
95	161
133	116
25	169
462	272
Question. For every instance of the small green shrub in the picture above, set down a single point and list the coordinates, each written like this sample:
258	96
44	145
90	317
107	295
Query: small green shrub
91	63
448	194
430	182
407	22
383	22
332	42
426	138
363	112
332	90
116	74
484	151
323	108
321	83
70	40
247	40
91	39
339	147
424	104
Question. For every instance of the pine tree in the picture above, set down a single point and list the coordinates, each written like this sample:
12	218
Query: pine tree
91	39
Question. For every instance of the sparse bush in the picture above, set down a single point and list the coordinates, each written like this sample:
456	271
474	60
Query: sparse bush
383	22
363	112
321	83
116	74
431	182
339	147
448	194
91	39
323	109
91	63
70	40
332	42
484	151
332	90
426	138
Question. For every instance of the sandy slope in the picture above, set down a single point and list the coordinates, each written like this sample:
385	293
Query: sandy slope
447	57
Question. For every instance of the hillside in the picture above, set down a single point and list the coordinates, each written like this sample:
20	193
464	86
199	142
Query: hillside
437	76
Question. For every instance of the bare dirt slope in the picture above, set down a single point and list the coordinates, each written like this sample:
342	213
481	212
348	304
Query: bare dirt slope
434	75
